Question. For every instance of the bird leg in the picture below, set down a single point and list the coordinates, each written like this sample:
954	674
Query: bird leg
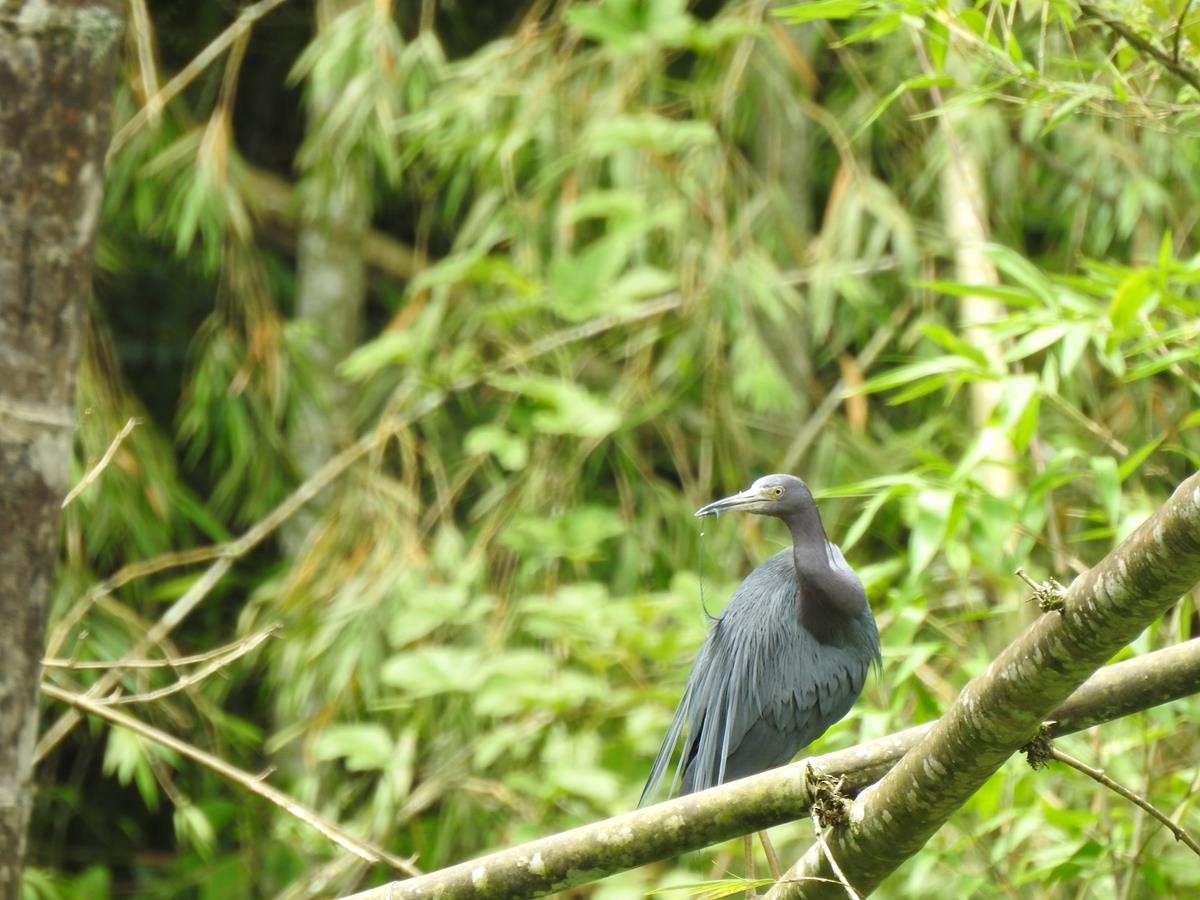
772	856
748	848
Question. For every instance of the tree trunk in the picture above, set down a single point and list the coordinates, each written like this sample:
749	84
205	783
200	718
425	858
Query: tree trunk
331	290
57	62
965	203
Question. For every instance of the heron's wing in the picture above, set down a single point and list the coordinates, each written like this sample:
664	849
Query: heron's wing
663	760
761	688
790	702
713	715
769	691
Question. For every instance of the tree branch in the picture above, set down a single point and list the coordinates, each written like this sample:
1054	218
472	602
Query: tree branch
58	61
201	674
998	712
360	848
594	851
1116	787
155	104
1171	63
99	468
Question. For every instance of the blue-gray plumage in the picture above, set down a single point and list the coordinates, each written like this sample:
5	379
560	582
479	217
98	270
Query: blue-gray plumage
785	660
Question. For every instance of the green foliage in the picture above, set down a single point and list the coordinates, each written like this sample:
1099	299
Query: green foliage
657	242
93	881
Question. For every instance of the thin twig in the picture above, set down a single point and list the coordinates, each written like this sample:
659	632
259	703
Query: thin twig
837	870
748	852
143	33
772	856
1141	802
1094	427
1049	595
199	63
849	269
1181	70
732	82
104	461
1179	30
196	677
59	662
38	413
127	573
360	848
648	309
175	614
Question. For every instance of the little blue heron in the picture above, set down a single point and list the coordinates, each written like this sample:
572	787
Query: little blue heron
785	660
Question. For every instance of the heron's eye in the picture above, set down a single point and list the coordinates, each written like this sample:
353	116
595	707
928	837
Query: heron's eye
777	491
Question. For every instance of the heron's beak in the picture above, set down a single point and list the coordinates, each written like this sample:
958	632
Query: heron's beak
747	499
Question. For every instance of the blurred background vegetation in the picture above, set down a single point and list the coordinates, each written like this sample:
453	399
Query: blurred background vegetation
557	273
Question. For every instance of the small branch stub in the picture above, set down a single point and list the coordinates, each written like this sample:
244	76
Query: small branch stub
1049	595
1038	752
830	807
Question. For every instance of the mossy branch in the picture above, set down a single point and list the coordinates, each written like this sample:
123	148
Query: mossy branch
688	823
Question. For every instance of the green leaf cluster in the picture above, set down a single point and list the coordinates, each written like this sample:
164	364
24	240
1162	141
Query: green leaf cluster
651	250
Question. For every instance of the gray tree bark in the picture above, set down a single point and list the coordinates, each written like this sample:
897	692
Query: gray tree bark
57	61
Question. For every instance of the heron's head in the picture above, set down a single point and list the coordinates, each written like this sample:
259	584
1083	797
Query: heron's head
772	495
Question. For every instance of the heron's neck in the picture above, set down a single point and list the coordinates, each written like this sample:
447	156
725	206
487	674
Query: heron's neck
826	594
809	542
